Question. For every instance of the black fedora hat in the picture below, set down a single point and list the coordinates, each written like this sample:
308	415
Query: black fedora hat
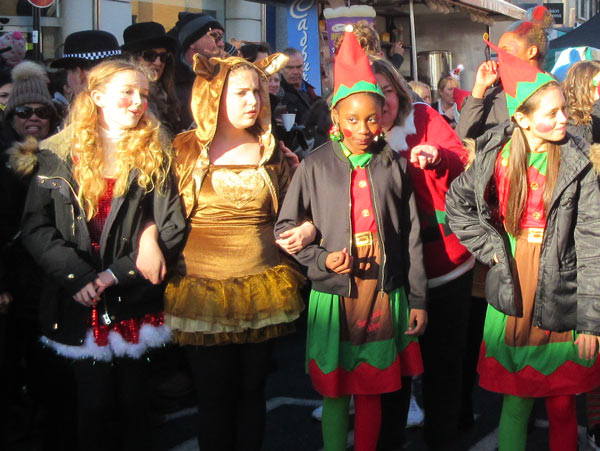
87	46
147	35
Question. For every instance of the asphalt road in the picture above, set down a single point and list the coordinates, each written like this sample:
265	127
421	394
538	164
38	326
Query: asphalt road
291	399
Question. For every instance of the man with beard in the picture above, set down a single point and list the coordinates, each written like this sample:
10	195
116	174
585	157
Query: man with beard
147	45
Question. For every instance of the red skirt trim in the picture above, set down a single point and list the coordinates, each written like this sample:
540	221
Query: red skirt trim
568	379
366	379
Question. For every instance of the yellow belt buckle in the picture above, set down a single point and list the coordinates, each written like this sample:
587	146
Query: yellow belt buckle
535	235
363	239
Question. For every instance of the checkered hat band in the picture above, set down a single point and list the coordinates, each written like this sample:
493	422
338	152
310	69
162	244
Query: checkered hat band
93	55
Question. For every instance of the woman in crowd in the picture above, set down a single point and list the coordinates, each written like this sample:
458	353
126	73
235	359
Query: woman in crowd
422	90
363	325
29	109
582	95
486	106
234	293
147	44
528	207
98	185
436	157
445	105
581	89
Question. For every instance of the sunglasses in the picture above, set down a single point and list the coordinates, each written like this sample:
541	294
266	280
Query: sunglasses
151	55
216	36
25	112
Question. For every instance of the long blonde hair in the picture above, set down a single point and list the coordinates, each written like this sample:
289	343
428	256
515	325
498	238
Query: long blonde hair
144	148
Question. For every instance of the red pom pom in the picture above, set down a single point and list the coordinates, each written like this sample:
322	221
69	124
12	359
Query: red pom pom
539	12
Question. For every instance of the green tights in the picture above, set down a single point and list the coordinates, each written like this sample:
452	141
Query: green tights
334	423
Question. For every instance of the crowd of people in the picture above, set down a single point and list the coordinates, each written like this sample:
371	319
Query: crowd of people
156	208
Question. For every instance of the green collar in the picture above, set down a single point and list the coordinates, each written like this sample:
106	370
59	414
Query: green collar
360	161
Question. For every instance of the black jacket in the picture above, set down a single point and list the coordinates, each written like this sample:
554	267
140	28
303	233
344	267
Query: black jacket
320	191
56	234
480	115
298	102
590	131
568	291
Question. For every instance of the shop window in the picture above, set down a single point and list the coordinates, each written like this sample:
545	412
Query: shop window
166	11
583	9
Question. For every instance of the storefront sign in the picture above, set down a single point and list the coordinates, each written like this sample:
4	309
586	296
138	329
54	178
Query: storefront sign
558	12
303	34
41	3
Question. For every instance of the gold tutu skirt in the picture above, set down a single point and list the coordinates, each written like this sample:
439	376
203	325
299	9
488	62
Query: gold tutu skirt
248	309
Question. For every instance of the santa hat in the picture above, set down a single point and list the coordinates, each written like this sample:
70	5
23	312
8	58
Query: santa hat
459	97
352	70
520	80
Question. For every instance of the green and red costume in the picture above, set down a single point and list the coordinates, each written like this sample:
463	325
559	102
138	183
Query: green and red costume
516	357
357	345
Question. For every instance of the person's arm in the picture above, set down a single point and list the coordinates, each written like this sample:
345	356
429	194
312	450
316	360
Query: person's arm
474	110
587	246
596	122
42	239
462	217
295	210
413	248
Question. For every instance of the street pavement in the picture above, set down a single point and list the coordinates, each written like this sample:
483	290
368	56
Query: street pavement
290	427
291	400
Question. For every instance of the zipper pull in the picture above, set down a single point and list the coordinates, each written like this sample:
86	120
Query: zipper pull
106	319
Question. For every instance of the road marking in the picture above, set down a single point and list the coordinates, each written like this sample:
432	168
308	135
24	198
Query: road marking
487	443
188	445
279	401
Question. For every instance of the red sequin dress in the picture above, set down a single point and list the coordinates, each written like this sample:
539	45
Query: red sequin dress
127	338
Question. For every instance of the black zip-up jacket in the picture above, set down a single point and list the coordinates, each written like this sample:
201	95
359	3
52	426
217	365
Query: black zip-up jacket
568	289
320	191
56	234
480	115
590	131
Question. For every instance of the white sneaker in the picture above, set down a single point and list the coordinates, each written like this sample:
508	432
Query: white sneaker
317	414
416	417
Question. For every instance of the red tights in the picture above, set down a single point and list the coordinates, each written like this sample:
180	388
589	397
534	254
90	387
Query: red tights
563	422
367	422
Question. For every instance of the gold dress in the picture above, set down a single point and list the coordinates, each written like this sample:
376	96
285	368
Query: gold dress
234	285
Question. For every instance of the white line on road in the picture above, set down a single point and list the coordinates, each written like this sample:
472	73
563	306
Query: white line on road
273	403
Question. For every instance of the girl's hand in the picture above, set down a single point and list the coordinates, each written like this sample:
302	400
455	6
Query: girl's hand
487	74
5	300
150	261
427	156
87	296
417	322
105	280
296	239
587	346
290	156
339	262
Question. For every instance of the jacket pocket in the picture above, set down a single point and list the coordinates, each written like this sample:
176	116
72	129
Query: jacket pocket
499	291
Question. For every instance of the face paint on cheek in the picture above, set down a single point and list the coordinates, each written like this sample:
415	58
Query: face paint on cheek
544	127
347	133
124	102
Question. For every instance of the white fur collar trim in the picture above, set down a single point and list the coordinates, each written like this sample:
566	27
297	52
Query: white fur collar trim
396	137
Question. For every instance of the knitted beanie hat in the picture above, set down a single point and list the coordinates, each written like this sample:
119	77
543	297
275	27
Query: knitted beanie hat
30	85
352	71
17	45
192	26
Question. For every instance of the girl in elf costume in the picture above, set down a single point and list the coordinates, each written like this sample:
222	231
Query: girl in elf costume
368	301
529	207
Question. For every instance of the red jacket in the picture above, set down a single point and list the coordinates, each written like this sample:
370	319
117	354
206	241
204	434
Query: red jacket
441	249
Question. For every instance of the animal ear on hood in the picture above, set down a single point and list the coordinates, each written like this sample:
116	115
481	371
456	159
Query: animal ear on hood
272	63
204	68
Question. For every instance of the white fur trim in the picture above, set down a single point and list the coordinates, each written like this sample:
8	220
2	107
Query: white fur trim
150	337
88	350
396	137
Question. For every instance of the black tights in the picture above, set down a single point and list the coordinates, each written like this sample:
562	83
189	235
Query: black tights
230	385
112	405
